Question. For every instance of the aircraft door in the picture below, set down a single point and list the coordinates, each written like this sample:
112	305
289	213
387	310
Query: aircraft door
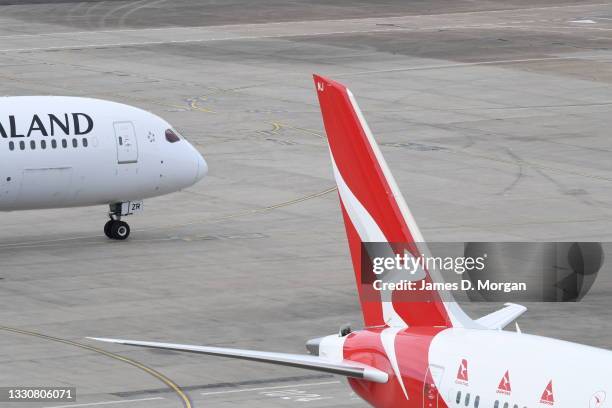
431	382
127	144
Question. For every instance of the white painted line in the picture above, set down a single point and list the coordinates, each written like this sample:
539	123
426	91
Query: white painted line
268	388
230	37
198	40
583	21
457	65
91	404
225	36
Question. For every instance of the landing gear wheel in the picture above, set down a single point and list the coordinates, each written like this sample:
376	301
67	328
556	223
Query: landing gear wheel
115	228
119	230
107	228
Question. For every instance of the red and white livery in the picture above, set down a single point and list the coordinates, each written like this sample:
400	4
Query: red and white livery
429	353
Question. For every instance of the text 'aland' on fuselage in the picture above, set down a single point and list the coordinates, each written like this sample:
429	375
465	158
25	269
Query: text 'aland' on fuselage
74	123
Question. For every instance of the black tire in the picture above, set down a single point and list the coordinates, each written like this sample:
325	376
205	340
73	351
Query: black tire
107	229
120	230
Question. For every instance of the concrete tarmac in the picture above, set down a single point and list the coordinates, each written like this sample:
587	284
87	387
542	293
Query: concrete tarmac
494	117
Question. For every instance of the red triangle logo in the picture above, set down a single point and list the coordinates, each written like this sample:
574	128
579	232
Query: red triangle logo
504	385
462	373
547	395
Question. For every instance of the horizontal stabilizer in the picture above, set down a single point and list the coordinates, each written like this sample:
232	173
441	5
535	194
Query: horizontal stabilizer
345	368
503	317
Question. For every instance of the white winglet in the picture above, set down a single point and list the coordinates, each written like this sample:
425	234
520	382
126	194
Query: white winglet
345	368
503	317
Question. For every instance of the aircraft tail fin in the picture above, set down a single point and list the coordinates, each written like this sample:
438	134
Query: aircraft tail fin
374	211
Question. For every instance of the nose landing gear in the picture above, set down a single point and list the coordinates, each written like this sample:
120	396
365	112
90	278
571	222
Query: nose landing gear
115	228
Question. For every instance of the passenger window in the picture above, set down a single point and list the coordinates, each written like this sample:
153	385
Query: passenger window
477	401
75	143
515	406
458	400
85	142
22	145
12	145
467	399
53	143
496	405
505	405
32	145
64	143
43	144
120	141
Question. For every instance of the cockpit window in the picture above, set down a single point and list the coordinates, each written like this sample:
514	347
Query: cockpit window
172	136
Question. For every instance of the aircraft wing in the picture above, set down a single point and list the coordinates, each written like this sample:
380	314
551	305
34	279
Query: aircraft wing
345	368
500	319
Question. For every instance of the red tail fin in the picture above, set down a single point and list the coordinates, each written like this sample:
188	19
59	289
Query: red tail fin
372	206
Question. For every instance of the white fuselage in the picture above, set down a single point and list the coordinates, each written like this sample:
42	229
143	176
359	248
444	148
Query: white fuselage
501	369
66	152
580	375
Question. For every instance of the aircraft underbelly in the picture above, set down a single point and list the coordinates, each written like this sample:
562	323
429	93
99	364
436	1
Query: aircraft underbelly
76	181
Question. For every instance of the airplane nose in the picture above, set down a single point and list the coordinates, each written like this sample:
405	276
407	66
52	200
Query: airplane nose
202	167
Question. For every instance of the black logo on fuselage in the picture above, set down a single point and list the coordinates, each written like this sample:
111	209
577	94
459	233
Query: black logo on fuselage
48	125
